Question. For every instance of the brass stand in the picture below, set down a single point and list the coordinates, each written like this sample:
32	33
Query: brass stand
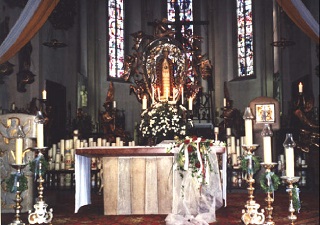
19	199
40	215
251	214
290	181
269	199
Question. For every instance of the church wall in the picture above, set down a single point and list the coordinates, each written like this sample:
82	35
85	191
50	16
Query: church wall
8	90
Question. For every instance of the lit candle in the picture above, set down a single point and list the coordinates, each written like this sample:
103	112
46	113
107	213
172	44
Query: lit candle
190	103
167	93
144	102
224	102
182	96
40	135
18	155
267	149
44	94
300	87
289	161
114	104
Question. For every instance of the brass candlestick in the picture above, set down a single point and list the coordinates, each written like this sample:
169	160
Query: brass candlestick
290	181
250	215
269	199
19	199
40	215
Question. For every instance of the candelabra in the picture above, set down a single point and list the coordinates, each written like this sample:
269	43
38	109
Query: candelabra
19	199
290	181
269	220
251	214
40	215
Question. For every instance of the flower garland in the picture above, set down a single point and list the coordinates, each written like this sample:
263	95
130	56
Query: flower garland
245	163
34	166
269	182
11	182
163	120
295	198
193	155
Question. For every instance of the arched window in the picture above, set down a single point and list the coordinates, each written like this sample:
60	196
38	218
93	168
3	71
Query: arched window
180	12
245	38
115	38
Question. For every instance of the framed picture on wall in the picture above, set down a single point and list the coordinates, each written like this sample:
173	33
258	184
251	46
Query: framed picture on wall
265	113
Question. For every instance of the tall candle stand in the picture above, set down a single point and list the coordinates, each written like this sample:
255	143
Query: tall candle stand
250	215
269	220
290	181
19	199
40	215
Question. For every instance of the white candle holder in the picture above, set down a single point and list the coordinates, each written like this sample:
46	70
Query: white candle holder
290	181
40	215
18	207
251	214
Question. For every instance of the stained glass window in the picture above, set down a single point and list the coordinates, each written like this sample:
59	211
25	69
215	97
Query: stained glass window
183	11
115	38
245	38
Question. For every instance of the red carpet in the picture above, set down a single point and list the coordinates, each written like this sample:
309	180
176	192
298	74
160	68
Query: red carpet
63	207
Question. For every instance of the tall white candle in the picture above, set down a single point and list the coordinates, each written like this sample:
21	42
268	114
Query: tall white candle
40	135
44	94
114	104
182	96
144	102
300	87
62	146
289	161
233	144
267	154
248	131
224	102
19	147
190	103
167	93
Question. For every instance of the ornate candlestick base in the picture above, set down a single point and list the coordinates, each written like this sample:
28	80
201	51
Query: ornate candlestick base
40	215
269	199
250	215
290	181
19	199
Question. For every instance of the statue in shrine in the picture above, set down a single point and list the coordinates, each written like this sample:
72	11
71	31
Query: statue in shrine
165	76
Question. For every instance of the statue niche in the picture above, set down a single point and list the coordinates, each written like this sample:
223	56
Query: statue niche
165	76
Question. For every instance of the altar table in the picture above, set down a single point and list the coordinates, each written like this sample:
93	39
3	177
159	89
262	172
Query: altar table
136	179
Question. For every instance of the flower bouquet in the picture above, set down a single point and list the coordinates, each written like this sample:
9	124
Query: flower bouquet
163	121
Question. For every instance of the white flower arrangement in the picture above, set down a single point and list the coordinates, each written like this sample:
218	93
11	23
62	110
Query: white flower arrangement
164	121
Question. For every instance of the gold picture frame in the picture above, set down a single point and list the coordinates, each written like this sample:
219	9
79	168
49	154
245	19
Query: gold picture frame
265	113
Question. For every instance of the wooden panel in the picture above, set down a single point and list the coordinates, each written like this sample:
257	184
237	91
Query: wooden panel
110	185
165	188
151	203
138	187
124	194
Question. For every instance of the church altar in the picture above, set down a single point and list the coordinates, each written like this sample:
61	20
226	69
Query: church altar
136	179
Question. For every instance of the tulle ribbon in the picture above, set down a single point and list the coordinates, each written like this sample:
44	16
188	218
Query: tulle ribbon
269	181
249	158
17	176
37	169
